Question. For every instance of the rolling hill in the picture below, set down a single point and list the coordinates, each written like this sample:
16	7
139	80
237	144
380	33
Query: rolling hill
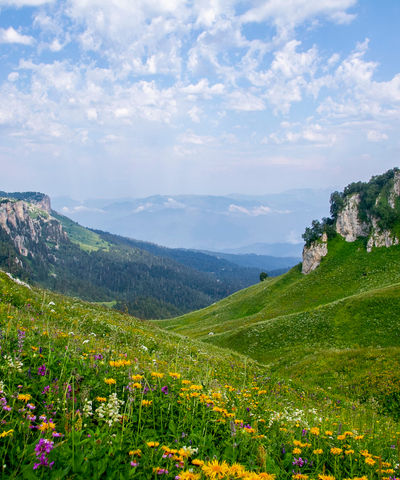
338	325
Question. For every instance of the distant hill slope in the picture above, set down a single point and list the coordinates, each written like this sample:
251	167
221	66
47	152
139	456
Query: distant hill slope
42	246
333	325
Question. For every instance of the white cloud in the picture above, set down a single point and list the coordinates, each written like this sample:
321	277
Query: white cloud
375	136
192	138
24	3
10	35
293	12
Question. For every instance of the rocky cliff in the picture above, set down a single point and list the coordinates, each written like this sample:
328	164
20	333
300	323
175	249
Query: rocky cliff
30	226
368	210
313	254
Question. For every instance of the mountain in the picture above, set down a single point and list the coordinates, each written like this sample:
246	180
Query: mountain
337	323
205	222
41	246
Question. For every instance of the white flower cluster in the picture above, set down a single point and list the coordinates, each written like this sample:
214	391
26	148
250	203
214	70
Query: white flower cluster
87	409
190	450
13	363
2	386
288	415
110	411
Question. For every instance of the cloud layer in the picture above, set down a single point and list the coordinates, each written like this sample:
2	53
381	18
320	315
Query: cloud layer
211	88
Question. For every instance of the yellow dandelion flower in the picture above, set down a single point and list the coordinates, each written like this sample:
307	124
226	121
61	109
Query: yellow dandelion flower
146	403
186	382
215	470
341	437
101	399
370	461
296	451
318	451
328	432
157	375
314	431
136	378
196	387
174	375
110	381
136	385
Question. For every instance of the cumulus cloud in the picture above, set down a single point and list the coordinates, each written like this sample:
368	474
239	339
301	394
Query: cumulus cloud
10	35
375	136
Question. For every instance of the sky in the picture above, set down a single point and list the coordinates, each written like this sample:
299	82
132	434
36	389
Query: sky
116	98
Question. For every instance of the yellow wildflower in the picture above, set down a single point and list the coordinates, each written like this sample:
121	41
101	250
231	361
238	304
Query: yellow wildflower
25	397
196	387
137	453
101	399
7	433
137	385
314	431
349	452
146	403
157	375
336	451
197	462
318	451
325	477
369	461
215	470
297	451
189	476
153	444
174	375
110	381
136	378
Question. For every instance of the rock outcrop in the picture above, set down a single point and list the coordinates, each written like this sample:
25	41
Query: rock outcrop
367	210
313	254
28	225
348	224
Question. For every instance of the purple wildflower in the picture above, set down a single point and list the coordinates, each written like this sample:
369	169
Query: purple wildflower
165	390
42	370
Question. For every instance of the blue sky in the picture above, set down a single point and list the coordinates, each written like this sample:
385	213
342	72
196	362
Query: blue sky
110	98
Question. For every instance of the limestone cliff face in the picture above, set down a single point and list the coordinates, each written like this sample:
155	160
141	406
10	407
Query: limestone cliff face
348	225
380	215
313	254
28	225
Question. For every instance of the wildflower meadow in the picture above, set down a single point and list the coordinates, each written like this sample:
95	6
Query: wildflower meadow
86	392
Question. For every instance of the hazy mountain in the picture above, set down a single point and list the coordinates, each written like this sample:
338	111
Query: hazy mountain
204	222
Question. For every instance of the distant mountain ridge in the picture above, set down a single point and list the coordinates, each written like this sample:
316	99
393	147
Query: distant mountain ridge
206	222
52	250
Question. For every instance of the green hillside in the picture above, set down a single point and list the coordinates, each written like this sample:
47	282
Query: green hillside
338	327
347	270
87	392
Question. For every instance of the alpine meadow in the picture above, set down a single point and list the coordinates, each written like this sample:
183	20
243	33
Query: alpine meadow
199	240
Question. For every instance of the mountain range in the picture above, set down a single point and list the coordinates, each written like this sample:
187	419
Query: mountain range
150	281
266	225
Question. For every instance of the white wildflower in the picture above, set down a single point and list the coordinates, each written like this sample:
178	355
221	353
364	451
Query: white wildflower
87	409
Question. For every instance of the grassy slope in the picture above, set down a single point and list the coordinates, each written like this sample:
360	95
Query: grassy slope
85	238
347	270
75	342
337	327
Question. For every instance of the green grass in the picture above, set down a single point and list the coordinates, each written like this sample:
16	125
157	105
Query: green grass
86	239
338	327
215	404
